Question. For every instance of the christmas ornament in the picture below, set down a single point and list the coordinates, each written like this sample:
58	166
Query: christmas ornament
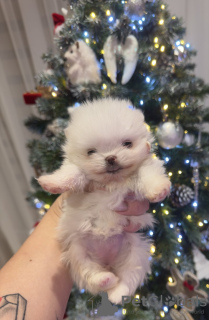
205	238
134	9
82	65
201	264
129	52
181	195
46	92
59	21
182	315
195	180
30	97
186	286
169	134
189	139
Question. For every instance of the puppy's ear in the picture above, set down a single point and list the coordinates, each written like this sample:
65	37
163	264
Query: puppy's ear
68	177
148	146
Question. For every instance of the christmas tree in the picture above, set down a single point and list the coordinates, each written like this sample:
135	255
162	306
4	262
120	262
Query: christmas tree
135	50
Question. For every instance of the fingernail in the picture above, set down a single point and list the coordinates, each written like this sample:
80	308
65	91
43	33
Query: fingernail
122	207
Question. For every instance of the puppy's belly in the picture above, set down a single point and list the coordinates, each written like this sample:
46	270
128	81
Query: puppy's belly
103	250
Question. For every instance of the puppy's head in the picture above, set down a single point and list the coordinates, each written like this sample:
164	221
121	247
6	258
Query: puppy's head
107	139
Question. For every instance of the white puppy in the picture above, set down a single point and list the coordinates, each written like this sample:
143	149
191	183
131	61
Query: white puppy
108	151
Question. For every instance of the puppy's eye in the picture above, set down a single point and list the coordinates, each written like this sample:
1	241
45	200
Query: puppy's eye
91	151
127	144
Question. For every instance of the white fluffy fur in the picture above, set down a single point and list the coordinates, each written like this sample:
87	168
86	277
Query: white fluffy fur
82	66
101	256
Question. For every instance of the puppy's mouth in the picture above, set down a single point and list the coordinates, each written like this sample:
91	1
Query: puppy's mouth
113	170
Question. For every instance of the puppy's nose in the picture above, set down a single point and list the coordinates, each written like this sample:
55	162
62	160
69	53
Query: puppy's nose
111	160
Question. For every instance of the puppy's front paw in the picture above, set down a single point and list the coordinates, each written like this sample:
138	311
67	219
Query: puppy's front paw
159	191
115	294
104	280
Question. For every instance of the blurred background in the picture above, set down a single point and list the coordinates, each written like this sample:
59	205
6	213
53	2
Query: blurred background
26	32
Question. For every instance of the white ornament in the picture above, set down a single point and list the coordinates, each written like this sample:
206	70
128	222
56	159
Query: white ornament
64	11
189	139
82	65
201	264
129	52
169	134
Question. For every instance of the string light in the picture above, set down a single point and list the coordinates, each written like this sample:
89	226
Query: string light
187	45
170	174
141	102
108	13
93	15
176	260
102	51
173	17
156	45
179	172
104	86
140	21
154	62
181	48
200	224
54	94
151	233
86	34
124	311
154	211
182	42
156	40
195	204
189	217
167	159
141	28
170	279
179	240
148	79
161	22
175	306
143	19
205	221
87	40
178	43
41	212
166	212
171	225
137	296
187	161
163	7
165	309
165	107
185	131
111	19
152	249
162	314
162	49
162	204
207	285
183	105
46	206
178	253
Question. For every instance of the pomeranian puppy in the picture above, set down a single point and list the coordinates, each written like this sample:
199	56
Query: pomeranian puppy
107	156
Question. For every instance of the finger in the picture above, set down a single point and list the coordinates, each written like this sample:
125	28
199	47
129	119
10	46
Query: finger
132	227
135	208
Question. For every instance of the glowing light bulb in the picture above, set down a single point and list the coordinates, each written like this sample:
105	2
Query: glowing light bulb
140	21
185	131
111	19
143	19
170	174
175	306
167	159
161	22
165	107
187	161
152	249
163	7
178	43
166	212
162	314
182	42
46	206
183	105
87	40
148	79
162	49
93	15
154	211
178	253
141	102
137	296
151	233
179	172
86	34
179	240
156	40
102	51
181	48
207	285
173	17
154	62
170	279
54	94
176	260
171	225
165	309
156	45
189	217
108	13
187	45
195	204
104	86
200	224
124	311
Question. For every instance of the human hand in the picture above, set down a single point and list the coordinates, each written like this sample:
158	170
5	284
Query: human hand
132	207
129	207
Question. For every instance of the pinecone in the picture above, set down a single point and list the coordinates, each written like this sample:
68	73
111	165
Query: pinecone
181	195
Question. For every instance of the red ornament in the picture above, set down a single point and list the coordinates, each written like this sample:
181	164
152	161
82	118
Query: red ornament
30	97
58	20
188	286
